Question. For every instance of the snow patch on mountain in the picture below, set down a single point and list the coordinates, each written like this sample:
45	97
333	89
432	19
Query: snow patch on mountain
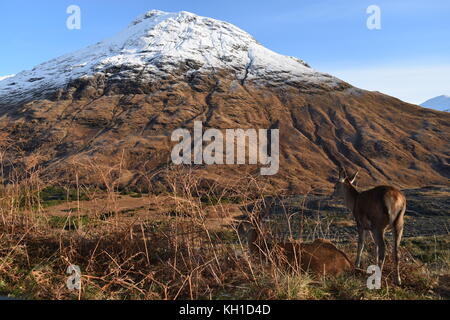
6	77
155	44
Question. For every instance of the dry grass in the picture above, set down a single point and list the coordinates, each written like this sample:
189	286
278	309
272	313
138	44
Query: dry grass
181	244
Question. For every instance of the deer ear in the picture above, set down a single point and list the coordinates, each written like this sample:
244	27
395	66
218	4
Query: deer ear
352	180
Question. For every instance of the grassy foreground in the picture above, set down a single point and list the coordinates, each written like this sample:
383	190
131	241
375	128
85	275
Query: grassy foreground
180	244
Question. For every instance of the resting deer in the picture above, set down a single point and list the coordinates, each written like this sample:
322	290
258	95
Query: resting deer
374	210
321	257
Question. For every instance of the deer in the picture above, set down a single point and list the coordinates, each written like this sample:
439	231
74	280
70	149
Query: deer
320	257
376	210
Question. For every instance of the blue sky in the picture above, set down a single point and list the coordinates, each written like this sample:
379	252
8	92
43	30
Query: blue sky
408	58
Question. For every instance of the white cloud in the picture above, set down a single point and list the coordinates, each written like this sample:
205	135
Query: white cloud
413	83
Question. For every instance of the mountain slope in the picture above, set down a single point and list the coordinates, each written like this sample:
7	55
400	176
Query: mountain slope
117	103
441	103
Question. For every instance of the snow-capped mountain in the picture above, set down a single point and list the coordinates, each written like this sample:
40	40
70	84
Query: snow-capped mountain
441	103
154	45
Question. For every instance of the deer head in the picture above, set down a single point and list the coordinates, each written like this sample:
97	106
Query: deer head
343	184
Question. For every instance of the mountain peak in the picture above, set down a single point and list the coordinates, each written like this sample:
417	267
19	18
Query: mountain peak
441	103
156	44
167	32
155	14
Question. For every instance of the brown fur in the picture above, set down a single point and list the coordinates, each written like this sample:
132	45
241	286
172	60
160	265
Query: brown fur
374	210
320	257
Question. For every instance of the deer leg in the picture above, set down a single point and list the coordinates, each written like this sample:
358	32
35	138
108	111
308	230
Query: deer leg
361	238
381	247
398	232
